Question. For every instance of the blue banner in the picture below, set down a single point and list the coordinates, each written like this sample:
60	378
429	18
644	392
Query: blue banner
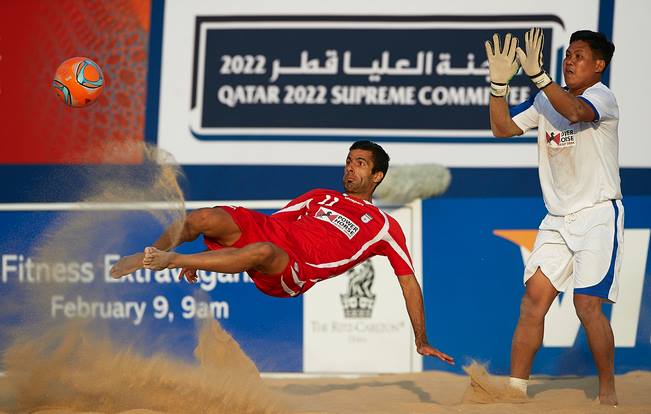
323	75
54	269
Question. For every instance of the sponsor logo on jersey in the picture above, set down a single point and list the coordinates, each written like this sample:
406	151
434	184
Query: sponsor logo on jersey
358	300
560	139
340	221
366	218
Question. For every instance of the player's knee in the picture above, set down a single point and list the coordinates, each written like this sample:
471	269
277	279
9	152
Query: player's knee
261	253
587	307
198	219
204	219
532	309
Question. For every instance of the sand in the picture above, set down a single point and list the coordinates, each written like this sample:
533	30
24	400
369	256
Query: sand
438	392
75	369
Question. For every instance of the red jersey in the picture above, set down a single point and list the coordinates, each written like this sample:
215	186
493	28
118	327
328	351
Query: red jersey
324	233
332	232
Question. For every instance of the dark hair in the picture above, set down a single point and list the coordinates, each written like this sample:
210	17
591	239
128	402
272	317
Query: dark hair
600	45
380	156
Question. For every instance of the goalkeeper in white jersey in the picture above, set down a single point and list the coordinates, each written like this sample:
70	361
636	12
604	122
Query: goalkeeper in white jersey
579	243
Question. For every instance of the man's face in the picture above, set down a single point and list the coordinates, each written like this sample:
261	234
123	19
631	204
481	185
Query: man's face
358	175
580	67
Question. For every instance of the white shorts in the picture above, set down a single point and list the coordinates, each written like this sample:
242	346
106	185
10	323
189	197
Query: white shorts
583	248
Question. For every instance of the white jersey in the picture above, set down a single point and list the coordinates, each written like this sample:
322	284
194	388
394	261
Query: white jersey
577	163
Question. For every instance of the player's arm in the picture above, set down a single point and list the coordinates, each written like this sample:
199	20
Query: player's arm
502	124
572	108
395	249
414	301
502	66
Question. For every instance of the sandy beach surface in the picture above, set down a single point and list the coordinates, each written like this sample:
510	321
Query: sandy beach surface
438	392
431	392
73	371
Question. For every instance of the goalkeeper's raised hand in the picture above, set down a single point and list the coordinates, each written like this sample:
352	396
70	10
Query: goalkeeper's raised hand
531	58
502	63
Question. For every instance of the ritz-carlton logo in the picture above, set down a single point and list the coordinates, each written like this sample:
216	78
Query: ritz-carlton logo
358	300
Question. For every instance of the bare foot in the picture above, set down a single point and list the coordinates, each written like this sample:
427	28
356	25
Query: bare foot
608	399
126	265
157	259
607	394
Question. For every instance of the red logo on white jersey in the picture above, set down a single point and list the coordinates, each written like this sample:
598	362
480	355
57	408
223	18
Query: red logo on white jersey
560	139
554	136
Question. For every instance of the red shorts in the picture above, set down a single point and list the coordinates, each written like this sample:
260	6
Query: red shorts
257	227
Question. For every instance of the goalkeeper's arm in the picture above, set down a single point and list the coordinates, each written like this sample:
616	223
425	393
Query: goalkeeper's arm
502	124
568	105
502	66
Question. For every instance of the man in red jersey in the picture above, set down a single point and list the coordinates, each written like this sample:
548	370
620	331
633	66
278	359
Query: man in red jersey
318	235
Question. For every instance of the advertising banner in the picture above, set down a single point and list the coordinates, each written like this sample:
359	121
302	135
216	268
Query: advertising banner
309	77
472	258
243	85
56	271
352	323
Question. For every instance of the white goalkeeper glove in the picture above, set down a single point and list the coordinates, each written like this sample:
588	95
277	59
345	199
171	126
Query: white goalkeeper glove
502	64
531	61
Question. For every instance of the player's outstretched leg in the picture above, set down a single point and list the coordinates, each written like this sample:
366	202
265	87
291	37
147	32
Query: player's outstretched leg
602	343
264	257
211	222
126	265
